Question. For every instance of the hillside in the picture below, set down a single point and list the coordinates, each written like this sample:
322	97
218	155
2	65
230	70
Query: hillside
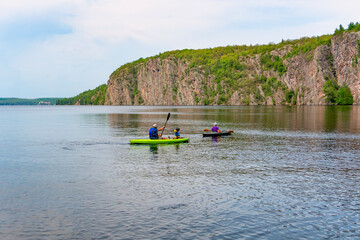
89	97
309	71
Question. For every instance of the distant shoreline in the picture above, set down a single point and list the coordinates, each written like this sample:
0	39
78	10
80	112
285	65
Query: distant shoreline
25	101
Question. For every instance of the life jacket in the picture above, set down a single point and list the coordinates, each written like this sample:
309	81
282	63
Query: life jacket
214	128
177	134
153	133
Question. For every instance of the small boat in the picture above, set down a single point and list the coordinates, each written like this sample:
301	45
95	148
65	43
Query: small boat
158	141
216	134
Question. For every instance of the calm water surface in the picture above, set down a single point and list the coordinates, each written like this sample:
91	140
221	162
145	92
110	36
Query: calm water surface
287	172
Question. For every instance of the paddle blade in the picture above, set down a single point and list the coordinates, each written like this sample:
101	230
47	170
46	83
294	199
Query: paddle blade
206	130
168	116
231	131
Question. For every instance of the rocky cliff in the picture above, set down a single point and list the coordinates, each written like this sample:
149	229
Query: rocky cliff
293	72
346	51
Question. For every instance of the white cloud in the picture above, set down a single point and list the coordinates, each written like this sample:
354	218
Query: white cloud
149	22
146	21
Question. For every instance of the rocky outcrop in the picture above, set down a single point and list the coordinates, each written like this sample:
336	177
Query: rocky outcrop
174	81
345	51
158	82
307	73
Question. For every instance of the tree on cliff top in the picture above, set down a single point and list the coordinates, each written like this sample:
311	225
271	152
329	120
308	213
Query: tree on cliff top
351	27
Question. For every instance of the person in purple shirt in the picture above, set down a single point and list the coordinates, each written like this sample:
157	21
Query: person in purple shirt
215	128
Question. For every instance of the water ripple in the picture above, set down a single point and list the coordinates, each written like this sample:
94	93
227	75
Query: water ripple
74	175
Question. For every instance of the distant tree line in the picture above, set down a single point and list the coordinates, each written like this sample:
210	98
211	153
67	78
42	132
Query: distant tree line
24	101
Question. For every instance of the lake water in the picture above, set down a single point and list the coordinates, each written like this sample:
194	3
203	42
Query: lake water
69	172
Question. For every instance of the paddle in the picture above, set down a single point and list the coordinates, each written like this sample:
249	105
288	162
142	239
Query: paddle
168	116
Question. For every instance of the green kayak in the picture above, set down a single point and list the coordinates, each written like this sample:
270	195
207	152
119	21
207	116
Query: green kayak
158	141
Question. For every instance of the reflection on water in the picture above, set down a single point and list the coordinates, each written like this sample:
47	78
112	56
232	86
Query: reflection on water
304	118
154	149
286	172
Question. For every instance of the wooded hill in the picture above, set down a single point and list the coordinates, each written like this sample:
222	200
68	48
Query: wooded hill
308	71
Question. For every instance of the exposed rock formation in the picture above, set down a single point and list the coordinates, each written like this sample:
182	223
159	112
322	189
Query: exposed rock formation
345	49
173	81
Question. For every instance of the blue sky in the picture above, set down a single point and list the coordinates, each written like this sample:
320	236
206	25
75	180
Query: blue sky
60	48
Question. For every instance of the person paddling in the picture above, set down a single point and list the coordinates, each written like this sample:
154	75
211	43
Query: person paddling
153	132
215	128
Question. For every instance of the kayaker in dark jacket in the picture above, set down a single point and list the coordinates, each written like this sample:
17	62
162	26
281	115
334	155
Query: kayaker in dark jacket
153	132
215	128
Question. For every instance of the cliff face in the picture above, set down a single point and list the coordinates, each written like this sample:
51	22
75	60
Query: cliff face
157	82
172	80
306	75
346	51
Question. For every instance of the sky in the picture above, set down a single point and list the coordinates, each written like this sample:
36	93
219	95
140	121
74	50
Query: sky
60	48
